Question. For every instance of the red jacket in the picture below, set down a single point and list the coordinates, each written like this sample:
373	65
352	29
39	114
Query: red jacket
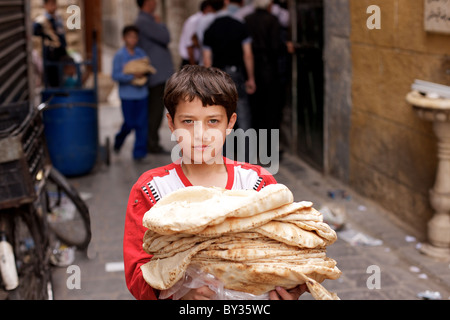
152	186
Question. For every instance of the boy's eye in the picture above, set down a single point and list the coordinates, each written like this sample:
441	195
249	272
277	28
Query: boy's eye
188	121
213	121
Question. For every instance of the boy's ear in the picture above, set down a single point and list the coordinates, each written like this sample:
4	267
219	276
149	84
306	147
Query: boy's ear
231	123
170	122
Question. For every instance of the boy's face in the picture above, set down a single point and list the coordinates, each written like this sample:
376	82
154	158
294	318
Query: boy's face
131	39
200	131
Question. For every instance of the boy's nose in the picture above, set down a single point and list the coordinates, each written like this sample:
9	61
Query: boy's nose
202	133
198	131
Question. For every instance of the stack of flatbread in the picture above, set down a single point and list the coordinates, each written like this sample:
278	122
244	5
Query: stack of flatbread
250	241
141	66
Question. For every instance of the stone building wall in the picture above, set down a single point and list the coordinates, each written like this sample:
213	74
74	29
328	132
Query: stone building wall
338	86
115	15
392	152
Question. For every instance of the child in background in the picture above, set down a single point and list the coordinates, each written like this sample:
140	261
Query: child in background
133	97
70	77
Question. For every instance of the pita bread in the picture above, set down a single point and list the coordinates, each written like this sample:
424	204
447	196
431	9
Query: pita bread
320	228
291	234
141	65
168	245
164	273
256	254
259	278
234	224
319	292
251	241
192	209
154	242
306	214
171	248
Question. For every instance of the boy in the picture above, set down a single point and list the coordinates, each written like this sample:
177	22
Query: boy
133	97
201	104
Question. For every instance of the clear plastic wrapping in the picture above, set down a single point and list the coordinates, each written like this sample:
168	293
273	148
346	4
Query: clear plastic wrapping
194	278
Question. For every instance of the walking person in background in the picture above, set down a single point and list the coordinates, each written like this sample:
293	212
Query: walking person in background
154	40
205	21
50	27
234	8
265	31
189	46
276	9
134	98
227	46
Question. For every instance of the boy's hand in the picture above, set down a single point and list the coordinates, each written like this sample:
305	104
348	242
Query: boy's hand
202	293
292	294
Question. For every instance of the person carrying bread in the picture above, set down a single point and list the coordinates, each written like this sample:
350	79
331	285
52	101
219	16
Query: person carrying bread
133	92
201	104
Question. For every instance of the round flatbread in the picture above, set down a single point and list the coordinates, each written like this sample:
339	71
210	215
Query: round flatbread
192	209
250	241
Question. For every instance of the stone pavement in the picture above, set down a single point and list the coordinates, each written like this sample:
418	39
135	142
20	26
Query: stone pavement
394	269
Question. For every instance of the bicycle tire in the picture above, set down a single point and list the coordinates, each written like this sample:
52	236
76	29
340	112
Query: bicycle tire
32	256
67	214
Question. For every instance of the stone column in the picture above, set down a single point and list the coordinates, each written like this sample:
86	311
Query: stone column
437	111
439	225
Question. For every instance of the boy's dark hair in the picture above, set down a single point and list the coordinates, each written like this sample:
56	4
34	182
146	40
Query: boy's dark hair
211	85
130	28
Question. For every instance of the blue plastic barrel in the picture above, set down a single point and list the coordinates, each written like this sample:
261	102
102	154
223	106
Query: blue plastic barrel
71	131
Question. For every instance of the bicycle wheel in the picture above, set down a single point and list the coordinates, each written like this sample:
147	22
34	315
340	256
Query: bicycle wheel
31	255
67	214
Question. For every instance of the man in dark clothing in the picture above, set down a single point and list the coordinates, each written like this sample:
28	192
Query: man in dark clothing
154	39
264	29
227	46
50	27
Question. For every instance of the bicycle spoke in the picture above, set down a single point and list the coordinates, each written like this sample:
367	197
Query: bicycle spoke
67	215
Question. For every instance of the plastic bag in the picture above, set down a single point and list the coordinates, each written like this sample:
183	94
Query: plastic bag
357	238
194	278
334	215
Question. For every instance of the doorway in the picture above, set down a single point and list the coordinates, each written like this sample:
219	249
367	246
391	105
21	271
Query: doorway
308	81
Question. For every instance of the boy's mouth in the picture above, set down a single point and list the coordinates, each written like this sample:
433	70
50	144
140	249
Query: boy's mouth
201	148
